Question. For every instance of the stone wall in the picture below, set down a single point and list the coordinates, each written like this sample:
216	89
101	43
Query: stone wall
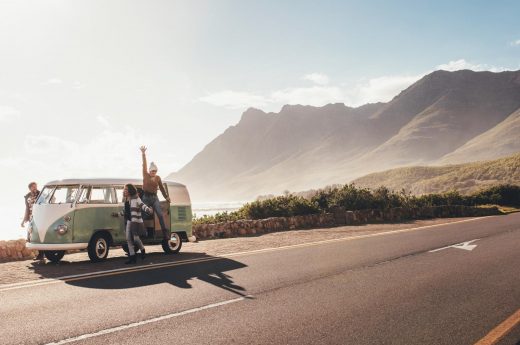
339	217
15	249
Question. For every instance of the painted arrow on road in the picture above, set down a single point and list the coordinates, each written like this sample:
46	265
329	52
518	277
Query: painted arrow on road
464	245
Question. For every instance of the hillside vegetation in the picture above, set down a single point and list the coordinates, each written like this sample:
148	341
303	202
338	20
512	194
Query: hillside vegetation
465	178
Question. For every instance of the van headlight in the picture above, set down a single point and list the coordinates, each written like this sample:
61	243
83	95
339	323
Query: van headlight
62	229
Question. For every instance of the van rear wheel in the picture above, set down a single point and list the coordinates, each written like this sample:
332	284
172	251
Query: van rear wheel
54	256
98	247
173	245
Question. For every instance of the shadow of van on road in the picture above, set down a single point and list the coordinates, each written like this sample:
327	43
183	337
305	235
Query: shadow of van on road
211	269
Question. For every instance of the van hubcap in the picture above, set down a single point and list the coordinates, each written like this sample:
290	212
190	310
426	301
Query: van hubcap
173	243
101	247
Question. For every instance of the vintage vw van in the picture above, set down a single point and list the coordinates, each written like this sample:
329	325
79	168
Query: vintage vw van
80	214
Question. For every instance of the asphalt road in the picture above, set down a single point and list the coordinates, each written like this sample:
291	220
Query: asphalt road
384	288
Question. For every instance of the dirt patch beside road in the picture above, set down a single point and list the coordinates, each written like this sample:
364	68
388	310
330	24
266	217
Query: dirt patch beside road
72	264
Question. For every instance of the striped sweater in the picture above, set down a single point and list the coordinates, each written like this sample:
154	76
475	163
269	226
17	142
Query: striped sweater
136	206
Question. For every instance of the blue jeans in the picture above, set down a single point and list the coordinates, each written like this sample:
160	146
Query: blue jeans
151	200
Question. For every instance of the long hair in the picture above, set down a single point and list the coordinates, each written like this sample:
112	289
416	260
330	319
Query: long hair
132	191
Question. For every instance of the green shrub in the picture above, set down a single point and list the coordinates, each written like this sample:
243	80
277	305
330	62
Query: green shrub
219	217
505	195
353	198
280	206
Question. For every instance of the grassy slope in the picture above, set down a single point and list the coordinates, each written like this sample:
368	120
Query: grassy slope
465	178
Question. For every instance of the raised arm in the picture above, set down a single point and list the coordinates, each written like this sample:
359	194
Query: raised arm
143	151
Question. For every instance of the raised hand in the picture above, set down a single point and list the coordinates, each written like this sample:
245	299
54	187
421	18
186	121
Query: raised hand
143	149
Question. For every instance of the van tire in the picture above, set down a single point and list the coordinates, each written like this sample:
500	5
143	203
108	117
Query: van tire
168	246
98	247
54	256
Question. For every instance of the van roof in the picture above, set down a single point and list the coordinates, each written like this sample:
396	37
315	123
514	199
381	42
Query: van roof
116	181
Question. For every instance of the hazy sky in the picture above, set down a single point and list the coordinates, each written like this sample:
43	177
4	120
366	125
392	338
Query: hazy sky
84	83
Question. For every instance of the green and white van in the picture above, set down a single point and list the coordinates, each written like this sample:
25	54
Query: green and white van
78	214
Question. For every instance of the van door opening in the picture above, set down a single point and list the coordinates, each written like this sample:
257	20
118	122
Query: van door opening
152	224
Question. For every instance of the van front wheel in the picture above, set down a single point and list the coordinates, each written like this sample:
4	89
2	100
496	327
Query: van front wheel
98	247
54	256
173	245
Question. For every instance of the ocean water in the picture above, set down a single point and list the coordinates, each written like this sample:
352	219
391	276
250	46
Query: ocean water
212	208
14	215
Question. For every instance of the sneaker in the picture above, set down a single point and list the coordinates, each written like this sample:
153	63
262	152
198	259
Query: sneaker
132	259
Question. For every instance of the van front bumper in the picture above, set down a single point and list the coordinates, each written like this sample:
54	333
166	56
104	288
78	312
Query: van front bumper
56	246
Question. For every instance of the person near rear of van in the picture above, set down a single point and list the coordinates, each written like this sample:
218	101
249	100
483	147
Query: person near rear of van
30	199
151	184
134	222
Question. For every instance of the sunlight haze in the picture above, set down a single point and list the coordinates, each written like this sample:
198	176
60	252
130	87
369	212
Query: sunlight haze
84	83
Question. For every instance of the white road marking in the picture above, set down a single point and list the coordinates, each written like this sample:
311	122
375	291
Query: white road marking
63	279
463	245
145	322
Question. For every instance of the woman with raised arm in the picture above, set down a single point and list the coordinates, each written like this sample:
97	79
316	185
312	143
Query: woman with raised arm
151	184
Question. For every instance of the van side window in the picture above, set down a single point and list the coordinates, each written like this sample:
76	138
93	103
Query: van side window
102	195
119	194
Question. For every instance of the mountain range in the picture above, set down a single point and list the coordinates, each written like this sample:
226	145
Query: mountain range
443	118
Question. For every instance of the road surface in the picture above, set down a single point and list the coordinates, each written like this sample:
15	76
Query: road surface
444	284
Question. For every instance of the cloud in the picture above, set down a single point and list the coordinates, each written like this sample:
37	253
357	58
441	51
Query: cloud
460	64
515	43
318	78
77	85
103	120
45	144
316	95
7	113
53	81
235	99
378	89
110	153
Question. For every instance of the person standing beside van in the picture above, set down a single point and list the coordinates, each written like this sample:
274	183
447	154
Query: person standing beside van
30	199
151	184
134	222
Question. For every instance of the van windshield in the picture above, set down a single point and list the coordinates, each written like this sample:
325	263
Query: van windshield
58	195
45	195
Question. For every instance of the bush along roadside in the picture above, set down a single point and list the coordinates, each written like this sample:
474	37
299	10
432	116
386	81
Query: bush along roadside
339	217
351	198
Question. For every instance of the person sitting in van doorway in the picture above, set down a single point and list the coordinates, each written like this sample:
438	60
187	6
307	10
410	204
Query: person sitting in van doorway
151	183
30	199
